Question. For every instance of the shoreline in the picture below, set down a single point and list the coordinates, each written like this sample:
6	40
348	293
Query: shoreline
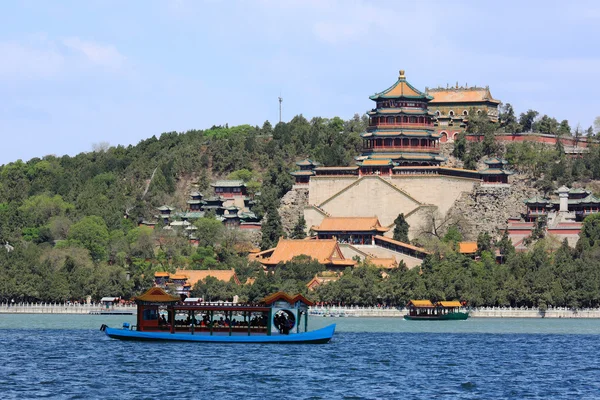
319	311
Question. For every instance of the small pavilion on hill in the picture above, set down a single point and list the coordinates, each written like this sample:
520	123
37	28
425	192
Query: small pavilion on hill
352	230
496	172
326	252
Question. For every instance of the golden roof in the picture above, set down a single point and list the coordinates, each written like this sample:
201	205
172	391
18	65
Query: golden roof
157	295
420	303
383	163
178	276
467	247
400	89
449	303
347	224
325	251
161	274
461	95
194	276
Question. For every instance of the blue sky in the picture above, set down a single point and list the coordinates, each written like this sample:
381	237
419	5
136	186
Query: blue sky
75	73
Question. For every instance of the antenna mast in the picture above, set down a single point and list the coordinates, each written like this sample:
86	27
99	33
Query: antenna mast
280	101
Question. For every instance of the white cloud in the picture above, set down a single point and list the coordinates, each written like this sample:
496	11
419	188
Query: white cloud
37	57
96	53
27	61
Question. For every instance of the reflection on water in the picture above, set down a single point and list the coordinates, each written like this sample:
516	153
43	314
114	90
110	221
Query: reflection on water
472	325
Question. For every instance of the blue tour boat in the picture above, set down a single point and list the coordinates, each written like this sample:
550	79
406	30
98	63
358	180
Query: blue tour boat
277	319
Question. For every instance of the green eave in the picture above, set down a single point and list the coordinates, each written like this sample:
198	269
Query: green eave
384	94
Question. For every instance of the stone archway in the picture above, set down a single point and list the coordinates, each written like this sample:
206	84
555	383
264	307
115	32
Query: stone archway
444	137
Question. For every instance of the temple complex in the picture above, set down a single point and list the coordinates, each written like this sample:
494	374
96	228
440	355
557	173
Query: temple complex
451	107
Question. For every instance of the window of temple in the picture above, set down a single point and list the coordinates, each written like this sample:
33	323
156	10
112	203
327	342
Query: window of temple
390	120
465	113
478	112
437	113
451	113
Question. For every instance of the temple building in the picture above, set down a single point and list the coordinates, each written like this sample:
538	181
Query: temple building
195	202
351	230
229	188
574	204
451	107
307	169
401	128
496	172
326	252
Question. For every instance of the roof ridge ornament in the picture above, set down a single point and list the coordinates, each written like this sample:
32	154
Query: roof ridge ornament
402	76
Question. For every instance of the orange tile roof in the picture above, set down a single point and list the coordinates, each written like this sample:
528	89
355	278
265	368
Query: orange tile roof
467	247
161	274
157	295
346	224
325	251
453	95
194	276
178	276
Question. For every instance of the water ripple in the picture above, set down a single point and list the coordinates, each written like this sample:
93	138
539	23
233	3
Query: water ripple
74	364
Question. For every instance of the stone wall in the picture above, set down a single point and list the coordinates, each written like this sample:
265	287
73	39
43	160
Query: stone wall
487	208
292	206
441	191
371	196
323	187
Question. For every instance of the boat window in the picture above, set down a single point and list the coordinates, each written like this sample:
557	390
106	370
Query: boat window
284	321
150	314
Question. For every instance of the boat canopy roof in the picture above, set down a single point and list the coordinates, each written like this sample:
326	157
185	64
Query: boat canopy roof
420	303
157	295
286	297
108	299
448	304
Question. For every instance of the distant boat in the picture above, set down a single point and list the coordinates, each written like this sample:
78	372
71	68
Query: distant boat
425	310
277	319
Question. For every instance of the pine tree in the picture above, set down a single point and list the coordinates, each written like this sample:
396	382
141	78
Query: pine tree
299	231
272	229
401	229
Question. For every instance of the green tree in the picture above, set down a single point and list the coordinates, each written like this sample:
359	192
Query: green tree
508	120
299	231
401	229
272	229
210	231
526	120
91	233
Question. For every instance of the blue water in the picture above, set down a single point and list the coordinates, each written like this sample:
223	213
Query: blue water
67	357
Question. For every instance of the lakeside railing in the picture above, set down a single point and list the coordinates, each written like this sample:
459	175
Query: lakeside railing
64	308
477	312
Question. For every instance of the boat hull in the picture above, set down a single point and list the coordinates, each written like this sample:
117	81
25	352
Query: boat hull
459	316
319	336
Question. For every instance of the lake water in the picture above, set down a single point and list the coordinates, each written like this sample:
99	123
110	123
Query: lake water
67	357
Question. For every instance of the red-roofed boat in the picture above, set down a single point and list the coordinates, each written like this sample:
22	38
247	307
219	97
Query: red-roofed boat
276	319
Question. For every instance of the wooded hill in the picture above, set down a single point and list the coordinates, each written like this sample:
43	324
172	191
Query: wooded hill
69	225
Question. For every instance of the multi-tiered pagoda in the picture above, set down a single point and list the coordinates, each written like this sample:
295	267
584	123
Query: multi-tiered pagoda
401	127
